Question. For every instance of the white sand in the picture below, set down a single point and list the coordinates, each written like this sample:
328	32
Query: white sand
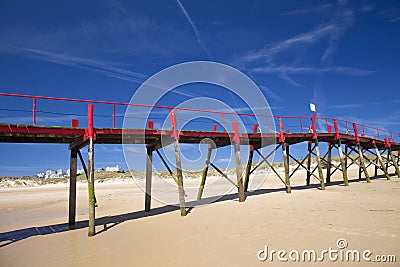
226	233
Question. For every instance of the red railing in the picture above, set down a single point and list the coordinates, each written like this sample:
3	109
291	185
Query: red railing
290	124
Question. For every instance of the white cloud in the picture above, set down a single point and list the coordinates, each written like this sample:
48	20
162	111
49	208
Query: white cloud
312	70
270	93
309	10
73	61
269	58
366	8
392	15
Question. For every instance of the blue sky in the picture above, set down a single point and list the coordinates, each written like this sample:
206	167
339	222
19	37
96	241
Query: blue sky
341	55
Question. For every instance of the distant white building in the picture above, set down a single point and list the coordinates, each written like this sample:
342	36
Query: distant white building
81	171
114	169
57	173
53	174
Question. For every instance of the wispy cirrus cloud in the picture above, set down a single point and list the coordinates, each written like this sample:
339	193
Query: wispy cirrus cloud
347	106
309	10
269	52
334	29
343	20
392	15
271	58
94	65
271	93
195	29
313	70
366	8
80	62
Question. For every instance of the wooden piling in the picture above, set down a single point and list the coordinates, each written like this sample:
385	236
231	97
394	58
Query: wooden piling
239	176
308	180
204	173
320	173
378	154
149	173
376	166
180	178
72	187
362	165
248	169
91	231
329	164
394	161
343	163
285	152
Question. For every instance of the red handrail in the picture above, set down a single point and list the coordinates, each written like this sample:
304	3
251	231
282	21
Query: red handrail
299	119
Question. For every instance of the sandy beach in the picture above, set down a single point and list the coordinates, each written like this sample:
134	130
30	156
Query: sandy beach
33	226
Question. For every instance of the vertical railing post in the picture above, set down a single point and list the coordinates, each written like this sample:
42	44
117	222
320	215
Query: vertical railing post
224	123
335	125
301	124
268	125
34	111
114	119
314	127
281	134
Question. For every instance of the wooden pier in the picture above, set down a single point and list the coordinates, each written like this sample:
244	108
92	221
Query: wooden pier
355	148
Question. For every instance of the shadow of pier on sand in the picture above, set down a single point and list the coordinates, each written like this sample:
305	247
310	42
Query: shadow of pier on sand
7	238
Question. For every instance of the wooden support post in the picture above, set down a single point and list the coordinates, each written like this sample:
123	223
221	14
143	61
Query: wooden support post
179	174
346	152
376	166
236	146
393	159
90	135
362	164
239	176
72	187
285	151
149	173
180	178
248	169
309	164
343	163
387	163
320	173
398	157
92	200
381	161
204	173
329	164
